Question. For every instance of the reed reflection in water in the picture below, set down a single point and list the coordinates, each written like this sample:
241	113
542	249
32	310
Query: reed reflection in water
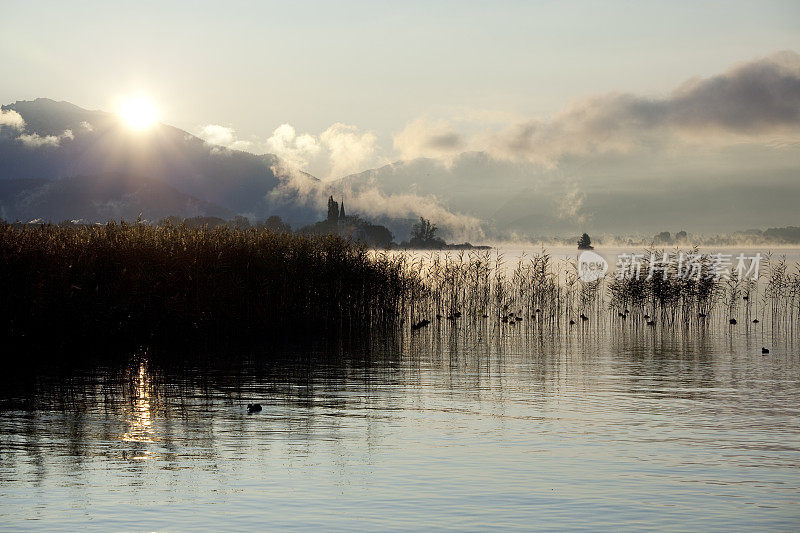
451	426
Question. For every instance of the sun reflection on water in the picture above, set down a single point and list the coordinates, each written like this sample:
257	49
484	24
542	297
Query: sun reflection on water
139	422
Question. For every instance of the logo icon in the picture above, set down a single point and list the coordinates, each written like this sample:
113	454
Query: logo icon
591	266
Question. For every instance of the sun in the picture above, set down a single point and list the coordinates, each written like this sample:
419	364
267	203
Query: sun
138	113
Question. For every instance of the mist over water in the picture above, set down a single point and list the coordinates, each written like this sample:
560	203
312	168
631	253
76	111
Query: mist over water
459	425
513	251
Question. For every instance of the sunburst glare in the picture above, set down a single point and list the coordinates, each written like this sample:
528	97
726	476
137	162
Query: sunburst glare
138	113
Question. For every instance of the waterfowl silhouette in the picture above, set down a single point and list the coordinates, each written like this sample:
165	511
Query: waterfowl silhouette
732	321
253	408
745	297
622	315
571	322
764	351
421	324
646	317
651	322
701	315
755	321
584	317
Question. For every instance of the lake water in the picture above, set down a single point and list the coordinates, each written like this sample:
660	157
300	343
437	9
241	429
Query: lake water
561	254
465	427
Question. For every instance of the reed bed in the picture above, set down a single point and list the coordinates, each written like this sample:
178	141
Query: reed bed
150	284
143	282
549	293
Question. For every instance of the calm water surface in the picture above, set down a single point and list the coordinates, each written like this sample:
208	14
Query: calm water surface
463	428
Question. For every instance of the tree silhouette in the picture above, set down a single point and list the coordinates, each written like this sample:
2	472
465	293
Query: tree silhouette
333	210
663	238
585	243
423	230
276	224
423	235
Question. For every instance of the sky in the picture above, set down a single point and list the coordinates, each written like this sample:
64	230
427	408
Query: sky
339	87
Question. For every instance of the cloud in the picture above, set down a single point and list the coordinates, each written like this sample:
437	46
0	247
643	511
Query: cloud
296	150
373	202
11	119
34	140
340	149
752	100
223	136
570	205
756	97
347	147
757	100
424	138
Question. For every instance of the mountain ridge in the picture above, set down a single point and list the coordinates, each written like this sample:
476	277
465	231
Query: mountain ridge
60	140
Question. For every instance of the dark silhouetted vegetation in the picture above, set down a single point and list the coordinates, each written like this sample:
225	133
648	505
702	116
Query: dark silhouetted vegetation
352	227
787	235
663	238
423	235
585	243
177	283
276	224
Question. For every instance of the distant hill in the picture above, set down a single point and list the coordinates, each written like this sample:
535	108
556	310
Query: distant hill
710	189
61	140
98	199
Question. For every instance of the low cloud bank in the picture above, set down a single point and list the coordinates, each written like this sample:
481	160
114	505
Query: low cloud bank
34	140
757	100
